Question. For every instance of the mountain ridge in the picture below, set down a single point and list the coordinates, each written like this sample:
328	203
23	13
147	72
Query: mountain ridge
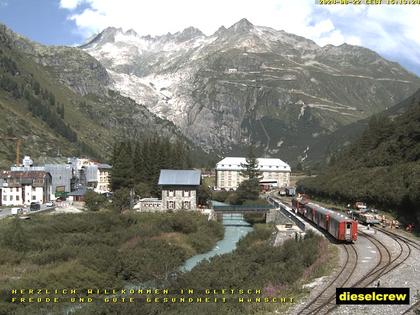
252	83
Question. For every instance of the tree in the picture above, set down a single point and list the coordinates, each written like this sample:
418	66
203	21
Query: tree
203	194
94	201
143	190
121	199
249	189
122	166
251	171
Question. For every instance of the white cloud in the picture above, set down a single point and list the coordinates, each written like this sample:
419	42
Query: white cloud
386	29
70	4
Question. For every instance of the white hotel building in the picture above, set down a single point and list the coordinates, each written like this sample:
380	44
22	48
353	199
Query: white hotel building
274	172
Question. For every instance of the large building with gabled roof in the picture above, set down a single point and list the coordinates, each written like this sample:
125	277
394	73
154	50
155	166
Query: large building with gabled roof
274	172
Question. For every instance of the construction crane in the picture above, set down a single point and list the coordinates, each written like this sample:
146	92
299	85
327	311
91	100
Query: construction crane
18	144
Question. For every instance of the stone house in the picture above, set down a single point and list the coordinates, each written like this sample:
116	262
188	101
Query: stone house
179	189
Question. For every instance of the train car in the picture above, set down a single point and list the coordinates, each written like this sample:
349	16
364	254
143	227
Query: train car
290	191
365	218
336	224
298	205
342	228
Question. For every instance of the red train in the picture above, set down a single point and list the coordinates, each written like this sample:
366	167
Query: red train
336	224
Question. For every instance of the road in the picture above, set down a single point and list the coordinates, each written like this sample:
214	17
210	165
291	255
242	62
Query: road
5	212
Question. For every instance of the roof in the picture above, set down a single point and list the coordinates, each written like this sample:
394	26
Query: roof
180	177
336	215
264	164
104	166
79	192
24	174
19	178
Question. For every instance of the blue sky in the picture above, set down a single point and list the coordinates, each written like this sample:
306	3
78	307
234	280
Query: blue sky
40	20
392	31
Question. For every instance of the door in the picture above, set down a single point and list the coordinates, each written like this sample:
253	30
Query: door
348	231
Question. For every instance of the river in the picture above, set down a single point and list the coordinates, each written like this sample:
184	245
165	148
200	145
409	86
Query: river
235	228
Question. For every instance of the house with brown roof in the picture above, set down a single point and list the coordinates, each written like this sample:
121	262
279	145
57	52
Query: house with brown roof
20	188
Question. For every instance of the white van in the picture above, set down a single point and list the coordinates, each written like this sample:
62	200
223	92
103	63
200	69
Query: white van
17	210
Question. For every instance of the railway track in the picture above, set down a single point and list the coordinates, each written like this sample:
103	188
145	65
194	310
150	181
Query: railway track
386	262
324	302
327	296
410	244
412	308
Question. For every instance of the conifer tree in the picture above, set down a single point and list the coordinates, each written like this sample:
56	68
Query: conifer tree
251	171
122	166
249	189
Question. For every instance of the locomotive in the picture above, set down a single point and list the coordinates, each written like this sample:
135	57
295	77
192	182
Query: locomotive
336	224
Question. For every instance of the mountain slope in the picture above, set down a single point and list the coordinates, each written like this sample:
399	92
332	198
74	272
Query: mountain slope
329	145
251	83
56	99
382	167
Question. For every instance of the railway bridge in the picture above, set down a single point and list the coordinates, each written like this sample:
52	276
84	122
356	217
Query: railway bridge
222	211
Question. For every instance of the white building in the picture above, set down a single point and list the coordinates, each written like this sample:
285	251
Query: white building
97	177
274	172
149	205
21	187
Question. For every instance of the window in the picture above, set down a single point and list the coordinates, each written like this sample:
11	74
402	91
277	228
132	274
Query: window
187	193
170	204
4	198
17	198
186	205
33	197
11	198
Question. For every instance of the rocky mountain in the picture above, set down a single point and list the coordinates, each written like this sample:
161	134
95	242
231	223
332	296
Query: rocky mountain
57	100
250	83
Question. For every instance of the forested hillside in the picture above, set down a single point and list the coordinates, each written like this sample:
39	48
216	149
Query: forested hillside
382	167
328	146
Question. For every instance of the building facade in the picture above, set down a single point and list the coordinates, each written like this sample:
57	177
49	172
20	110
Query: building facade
274	172
149	205
179	189
75	175
21	188
103	175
